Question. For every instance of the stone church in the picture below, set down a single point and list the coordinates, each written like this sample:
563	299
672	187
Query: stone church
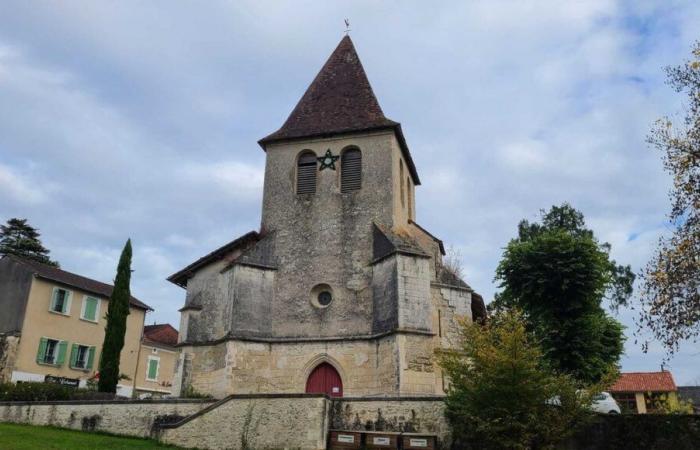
340	291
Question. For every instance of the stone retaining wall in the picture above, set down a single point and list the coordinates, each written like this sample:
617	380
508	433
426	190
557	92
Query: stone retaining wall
298	421
260	421
127	417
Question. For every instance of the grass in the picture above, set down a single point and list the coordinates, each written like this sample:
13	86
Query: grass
26	437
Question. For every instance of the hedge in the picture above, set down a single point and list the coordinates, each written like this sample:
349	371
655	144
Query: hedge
33	391
636	431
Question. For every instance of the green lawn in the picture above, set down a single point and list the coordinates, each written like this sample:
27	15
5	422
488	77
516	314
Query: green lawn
21	437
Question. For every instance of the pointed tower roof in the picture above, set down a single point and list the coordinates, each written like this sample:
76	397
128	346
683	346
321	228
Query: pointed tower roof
339	100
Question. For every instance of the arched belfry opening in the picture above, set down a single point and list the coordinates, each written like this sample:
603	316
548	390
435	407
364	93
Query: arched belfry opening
324	379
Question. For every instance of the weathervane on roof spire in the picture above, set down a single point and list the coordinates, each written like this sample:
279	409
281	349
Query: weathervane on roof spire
347	26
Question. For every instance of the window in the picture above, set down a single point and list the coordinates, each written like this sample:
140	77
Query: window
306	173
60	301
351	170
82	356
91	309
152	368
627	402
51	351
321	295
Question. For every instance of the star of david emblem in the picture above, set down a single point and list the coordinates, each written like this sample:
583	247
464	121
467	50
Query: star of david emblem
327	160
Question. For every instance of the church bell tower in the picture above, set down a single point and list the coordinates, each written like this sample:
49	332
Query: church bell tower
340	282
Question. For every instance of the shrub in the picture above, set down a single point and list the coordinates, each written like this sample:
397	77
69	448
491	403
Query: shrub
502	393
635	431
28	392
190	392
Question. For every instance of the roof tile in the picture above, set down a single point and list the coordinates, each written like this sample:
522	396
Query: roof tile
74	280
644	382
162	333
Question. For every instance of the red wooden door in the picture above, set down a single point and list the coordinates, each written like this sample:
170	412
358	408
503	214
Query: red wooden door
324	379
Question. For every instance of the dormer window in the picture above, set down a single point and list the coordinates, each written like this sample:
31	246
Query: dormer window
306	173
351	170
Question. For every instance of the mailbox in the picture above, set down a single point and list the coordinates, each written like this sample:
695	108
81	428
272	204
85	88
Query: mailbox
380	439
417	441
341	440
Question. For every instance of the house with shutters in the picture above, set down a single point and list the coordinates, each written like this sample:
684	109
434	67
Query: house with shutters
156	363
340	290
53	324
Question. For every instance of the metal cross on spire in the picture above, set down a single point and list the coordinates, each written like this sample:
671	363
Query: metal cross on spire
347	26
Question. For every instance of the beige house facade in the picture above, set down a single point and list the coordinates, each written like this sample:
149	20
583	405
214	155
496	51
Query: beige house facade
54	326
340	291
156	362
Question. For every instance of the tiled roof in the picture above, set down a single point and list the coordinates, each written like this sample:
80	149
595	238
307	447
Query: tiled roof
71	279
644	382
339	100
162	333
180	277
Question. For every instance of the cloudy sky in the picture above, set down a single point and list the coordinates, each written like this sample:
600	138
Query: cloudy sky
140	119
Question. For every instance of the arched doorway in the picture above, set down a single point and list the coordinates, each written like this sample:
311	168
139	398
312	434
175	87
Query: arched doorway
324	379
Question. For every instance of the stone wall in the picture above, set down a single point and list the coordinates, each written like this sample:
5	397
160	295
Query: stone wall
132	418
366	366
260	421
298	421
8	354
406	414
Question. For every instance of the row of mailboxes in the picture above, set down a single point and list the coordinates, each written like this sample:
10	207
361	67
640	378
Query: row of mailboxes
344	440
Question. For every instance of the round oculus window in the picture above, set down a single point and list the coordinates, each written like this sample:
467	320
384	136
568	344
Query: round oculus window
324	298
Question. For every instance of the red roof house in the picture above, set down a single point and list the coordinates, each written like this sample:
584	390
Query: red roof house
641	392
162	333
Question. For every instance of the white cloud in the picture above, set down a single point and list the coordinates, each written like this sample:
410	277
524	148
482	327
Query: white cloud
141	120
17	188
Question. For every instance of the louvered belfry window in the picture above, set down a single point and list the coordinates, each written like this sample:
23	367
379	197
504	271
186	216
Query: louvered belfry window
351	170
306	173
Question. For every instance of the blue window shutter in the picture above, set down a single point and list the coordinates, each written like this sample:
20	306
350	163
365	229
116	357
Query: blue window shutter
90	358
73	355
41	352
61	357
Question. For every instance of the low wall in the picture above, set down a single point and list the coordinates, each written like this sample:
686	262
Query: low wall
298	421
260	421
126	417
407	414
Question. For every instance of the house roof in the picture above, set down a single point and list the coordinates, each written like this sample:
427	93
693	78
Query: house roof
162	333
644	382
180	277
74	280
339	100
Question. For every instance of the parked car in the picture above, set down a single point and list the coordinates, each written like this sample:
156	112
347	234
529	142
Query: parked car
605	403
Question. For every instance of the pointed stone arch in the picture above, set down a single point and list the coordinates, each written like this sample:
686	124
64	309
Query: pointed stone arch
316	361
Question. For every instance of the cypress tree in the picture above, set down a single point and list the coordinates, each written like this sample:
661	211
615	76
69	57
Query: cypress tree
116	324
19	238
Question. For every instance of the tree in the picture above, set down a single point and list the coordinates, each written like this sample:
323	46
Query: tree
19	238
671	288
116	324
502	392
558	274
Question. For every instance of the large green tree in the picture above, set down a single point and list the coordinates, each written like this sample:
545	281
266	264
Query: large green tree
671	289
19	238
503	394
115	330
558	274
